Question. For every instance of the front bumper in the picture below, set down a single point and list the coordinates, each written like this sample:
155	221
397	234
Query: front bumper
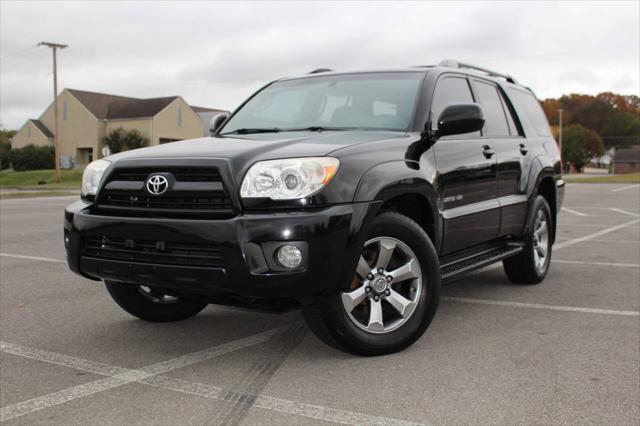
333	237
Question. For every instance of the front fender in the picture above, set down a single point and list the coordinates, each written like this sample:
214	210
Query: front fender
389	180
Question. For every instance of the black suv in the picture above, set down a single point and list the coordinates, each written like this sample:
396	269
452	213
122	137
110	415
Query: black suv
351	195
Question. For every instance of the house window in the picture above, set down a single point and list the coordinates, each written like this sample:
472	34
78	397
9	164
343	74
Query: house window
179	117
64	111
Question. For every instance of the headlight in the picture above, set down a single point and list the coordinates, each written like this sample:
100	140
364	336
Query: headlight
92	176
289	178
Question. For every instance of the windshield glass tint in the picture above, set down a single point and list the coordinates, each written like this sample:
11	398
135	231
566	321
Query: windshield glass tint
370	101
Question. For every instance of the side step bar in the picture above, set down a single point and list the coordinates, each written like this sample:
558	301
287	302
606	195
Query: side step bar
457	268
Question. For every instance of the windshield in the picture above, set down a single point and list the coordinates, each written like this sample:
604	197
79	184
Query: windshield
354	101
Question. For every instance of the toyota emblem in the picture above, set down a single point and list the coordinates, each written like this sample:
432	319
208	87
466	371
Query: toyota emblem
157	184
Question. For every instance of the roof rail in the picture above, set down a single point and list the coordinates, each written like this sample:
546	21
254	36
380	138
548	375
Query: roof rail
452	63
319	70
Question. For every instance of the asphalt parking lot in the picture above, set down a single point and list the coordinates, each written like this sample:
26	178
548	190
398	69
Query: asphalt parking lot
565	351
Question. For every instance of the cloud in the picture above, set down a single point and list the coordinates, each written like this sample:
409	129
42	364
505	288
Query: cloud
217	53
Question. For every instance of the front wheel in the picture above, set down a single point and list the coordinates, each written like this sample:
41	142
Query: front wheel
530	266
152	304
393	297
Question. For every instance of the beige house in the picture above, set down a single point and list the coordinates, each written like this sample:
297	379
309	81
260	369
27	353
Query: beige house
84	118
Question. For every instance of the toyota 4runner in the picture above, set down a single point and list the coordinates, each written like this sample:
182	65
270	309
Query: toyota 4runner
350	195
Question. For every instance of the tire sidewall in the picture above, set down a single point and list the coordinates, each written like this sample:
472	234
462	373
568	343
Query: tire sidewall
539	204
401	228
129	298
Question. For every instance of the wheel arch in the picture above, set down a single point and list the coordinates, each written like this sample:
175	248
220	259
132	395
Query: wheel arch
544	184
397	187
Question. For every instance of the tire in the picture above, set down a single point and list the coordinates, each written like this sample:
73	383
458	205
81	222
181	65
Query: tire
150	305
524	268
343	320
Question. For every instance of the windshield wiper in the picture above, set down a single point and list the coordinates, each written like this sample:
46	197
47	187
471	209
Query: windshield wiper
318	129
246	131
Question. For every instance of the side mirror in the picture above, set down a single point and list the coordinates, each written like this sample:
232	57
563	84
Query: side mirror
460	118
217	121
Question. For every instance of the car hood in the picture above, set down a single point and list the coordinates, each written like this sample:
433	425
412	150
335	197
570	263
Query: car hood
251	148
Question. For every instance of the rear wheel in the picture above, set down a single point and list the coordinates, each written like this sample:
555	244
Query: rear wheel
151	304
531	265
393	297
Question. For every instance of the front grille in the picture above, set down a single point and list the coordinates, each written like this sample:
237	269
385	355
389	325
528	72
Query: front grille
182	174
167	203
194	192
152	251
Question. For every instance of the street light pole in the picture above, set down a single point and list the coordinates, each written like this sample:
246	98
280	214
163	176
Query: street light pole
56	140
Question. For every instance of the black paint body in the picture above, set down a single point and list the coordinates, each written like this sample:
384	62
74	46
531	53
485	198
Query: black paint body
471	198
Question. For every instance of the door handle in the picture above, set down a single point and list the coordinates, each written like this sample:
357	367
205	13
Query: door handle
523	149
487	151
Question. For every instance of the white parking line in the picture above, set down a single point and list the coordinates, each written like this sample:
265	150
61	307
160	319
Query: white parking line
595	235
573	241
562	224
624	188
577	262
120	376
280	405
624	212
22	256
573	212
64	198
542	306
605	241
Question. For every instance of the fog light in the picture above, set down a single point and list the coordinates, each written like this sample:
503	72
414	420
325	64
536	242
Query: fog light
289	256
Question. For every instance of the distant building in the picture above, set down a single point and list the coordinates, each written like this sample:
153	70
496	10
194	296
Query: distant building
84	118
605	161
627	160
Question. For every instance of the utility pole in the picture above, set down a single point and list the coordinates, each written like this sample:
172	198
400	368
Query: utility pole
560	111
54	47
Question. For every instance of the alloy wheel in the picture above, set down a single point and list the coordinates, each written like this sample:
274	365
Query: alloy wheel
540	241
386	288
155	296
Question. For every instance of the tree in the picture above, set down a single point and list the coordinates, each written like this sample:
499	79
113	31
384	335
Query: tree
616	118
120	139
134	139
5	147
580	145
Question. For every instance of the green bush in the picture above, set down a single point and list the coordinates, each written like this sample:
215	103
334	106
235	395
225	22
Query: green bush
32	157
5	149
120	139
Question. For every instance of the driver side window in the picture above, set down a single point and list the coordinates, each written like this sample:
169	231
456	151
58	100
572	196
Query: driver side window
450	90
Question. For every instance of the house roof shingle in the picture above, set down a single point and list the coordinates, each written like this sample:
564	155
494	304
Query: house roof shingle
630	155
203	109
40	125
104	106
97	103
138	108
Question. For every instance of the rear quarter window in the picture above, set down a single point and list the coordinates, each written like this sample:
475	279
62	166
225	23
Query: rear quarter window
527	103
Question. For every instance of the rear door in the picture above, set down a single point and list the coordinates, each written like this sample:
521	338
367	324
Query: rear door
466	175
501	132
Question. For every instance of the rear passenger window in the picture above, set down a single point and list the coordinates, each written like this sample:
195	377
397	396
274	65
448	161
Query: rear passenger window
450	90
532	110
495	123
513	128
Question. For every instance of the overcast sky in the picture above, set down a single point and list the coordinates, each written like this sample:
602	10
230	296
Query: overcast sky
216	54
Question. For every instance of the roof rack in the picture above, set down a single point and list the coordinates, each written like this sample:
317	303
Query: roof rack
452	63
319	70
